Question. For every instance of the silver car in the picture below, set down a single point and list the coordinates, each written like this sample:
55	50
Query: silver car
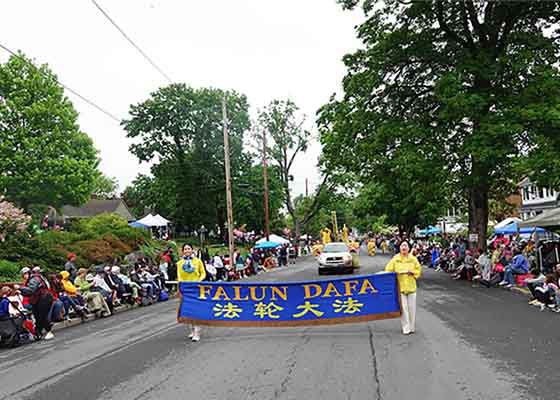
335	258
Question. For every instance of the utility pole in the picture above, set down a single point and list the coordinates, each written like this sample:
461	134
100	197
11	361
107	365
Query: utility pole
228	184
306	188
265	179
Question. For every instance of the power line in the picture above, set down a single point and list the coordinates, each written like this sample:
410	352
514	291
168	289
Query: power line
132	42
91	103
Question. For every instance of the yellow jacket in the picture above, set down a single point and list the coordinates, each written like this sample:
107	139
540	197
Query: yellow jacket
68	286
401	265
197	275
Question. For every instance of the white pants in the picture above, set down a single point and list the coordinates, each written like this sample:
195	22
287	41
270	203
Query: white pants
195	330
408	317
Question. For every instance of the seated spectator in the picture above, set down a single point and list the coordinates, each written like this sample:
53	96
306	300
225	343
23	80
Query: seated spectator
5	291
95	301
466	270
484	267
71	297
59	310
70	266
99	285
113	284
130	287
546	294
518	266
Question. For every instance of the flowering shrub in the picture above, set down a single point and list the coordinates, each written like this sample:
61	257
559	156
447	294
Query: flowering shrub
12	219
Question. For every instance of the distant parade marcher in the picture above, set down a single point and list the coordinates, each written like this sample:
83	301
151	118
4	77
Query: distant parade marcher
408	269
191	269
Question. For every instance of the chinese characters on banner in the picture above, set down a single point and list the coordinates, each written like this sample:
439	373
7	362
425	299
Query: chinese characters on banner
340	300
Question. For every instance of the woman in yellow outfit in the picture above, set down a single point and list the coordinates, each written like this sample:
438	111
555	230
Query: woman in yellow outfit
191	269
408	269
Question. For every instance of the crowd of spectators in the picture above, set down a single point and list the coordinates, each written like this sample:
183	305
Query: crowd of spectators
219	268
29	309
507	263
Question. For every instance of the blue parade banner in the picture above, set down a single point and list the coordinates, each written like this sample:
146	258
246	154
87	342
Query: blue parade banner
334	301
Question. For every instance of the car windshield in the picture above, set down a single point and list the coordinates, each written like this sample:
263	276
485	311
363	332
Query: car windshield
335	248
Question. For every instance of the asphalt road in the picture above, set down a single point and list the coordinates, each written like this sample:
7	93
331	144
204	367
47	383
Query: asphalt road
470	343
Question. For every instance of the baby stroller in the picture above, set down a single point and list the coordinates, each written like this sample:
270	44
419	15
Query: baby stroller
15	331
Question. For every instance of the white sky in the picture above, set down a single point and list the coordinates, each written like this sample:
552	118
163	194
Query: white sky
265	49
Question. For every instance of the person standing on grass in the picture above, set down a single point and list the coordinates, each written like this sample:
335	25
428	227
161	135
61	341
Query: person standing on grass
408	270
191	269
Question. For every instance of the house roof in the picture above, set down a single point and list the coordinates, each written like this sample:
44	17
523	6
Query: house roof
548	219
98	206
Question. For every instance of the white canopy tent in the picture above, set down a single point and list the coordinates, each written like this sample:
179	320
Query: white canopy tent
274	238
506	222
161	221
153	221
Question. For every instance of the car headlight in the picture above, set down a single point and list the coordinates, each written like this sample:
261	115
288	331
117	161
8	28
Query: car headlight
347	258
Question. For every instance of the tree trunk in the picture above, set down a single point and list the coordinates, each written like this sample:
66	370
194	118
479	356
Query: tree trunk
297	231
478	216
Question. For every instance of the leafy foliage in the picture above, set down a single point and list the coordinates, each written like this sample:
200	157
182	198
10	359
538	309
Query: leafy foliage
105	187
94	240
286	139
464	90
181	128
12	219
45	158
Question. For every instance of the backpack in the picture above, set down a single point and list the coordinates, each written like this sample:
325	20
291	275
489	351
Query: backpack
163	296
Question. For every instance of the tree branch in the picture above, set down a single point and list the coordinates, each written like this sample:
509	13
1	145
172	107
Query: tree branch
473	17
452	35
314	208
465	22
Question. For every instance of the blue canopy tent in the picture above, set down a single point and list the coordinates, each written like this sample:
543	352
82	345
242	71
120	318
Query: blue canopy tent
267	245
137	224
430	230
512	229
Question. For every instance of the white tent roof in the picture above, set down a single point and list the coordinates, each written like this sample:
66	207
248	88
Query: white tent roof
274	238
506	222
153	220
161	221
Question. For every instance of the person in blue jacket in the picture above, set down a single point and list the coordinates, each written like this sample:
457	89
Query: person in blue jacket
435	256
518	266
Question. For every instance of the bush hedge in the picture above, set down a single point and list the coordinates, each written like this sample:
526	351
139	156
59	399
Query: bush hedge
94	240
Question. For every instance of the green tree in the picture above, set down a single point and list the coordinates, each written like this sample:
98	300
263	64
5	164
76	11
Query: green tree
181	130
45	158
472	85
248	197
105	187
286	139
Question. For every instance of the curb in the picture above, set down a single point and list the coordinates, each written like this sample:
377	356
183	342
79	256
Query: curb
521	290
77	320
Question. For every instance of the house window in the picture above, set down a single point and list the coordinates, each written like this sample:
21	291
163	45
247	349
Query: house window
541	193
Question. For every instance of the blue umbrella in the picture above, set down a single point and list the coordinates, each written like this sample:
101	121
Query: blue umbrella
267	245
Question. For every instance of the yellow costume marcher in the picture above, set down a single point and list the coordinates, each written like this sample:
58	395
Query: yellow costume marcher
371	248
191	269
326	235
195	273
408	269
345	233
316	249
